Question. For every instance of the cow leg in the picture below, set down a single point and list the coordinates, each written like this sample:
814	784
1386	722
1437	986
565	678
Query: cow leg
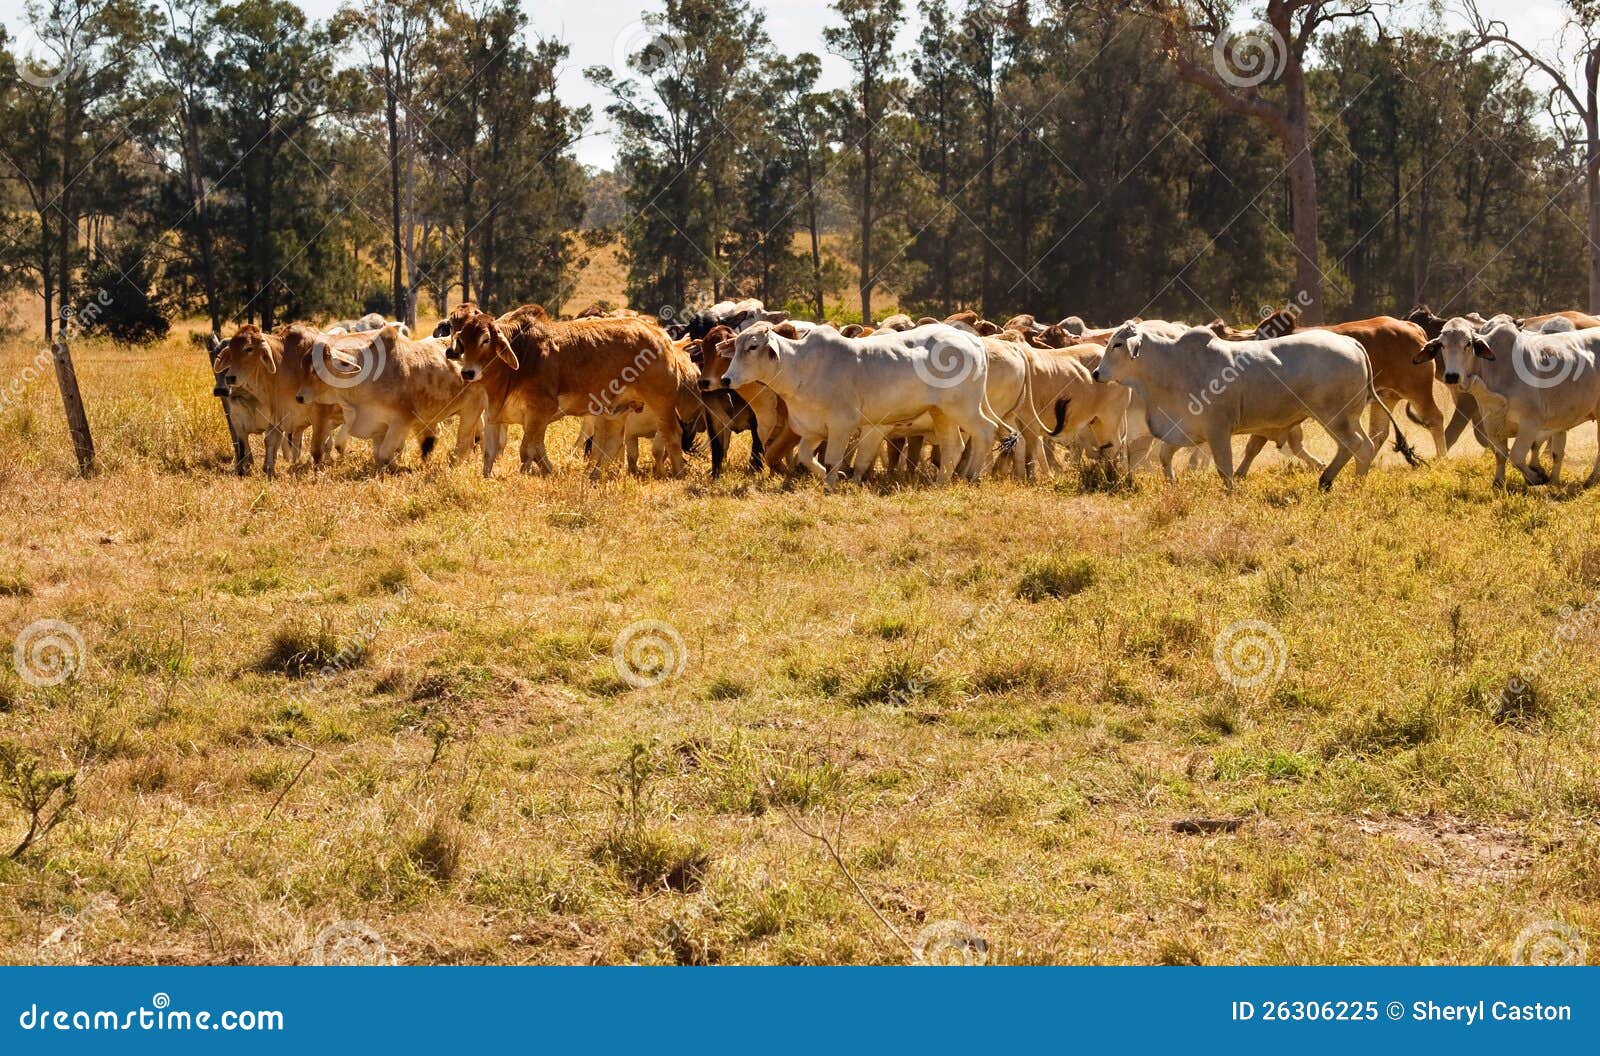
1252	448
495	437
1594	474
1352	442
947	435
719	446
894	456
1377	425
1558	454
1220	440
914	446
755	449
1432	418
841	431
671	430
1520	452
1466	412
806	457
386	451
1295	439
1165	453
532	451
872	438
469	430
269	452
780	449
981	433
319	439
1138	450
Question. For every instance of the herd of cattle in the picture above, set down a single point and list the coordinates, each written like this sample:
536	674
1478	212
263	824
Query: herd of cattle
968	393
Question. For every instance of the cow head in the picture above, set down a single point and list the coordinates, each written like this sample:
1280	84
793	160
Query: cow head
715	350
247	358
1458	349
755	357
477	341
1121	348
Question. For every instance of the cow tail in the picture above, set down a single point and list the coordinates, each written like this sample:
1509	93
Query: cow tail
1011	437
1061	417
1411	413
1402	447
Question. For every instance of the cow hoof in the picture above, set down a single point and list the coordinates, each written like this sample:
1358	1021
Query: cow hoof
1536	477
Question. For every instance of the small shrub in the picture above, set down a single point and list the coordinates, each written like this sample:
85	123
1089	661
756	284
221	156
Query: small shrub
43	796
897	681
437	851
1056	578
299	651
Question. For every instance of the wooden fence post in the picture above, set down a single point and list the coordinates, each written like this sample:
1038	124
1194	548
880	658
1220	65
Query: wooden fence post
72	403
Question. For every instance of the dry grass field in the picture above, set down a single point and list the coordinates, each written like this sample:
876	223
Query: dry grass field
356	717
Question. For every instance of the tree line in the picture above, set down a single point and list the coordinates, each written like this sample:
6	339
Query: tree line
1108	159
243	162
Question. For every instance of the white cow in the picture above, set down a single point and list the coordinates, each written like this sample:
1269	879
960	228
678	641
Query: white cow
1533	386
836	386
1199	388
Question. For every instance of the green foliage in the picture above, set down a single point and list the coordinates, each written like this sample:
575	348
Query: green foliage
43	796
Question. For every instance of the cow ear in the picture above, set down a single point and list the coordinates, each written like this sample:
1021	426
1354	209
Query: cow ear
1481	347
1429	351
1133	347
502	347
725	348
271	356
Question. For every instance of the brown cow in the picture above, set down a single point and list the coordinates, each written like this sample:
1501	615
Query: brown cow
1579	320
254	363
389	388
536	371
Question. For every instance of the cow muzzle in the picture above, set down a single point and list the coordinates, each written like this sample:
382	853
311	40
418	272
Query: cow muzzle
221	391
705	384
469	374
727	382
299	398
1096	376
1451	377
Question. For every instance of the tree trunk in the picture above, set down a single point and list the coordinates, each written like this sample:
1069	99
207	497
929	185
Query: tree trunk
392	118
1594	223
867	161
1303	202
816	239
